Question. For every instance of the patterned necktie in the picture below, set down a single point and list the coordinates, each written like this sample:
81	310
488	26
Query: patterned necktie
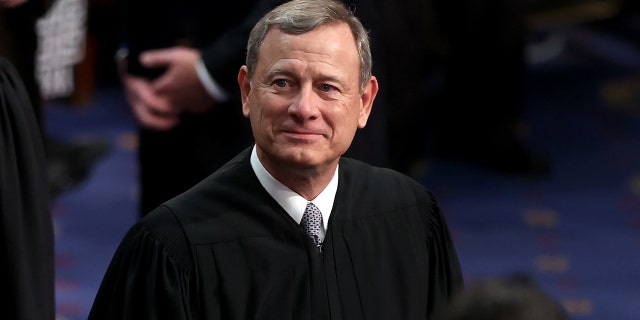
311	222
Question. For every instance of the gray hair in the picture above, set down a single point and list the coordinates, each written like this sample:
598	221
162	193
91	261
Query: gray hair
301	16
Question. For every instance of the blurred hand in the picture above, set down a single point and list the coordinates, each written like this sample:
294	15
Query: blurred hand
150	110
11	3
179	86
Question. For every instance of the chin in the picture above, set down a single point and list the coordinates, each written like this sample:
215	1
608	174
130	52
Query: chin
302	157
299	155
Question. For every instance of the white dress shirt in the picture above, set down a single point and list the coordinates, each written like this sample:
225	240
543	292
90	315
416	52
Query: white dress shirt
292	202
209	83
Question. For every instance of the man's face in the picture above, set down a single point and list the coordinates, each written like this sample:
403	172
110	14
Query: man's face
304	102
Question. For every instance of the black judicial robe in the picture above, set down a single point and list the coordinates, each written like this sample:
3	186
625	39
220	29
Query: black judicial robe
226	250
27	268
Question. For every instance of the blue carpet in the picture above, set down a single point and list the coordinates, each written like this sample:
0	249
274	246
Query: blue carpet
90	219
576	232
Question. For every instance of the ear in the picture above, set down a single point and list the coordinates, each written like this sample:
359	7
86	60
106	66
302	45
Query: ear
366	100
245	88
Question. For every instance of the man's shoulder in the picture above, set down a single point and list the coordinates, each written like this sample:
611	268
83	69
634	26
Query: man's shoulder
385	185
357	170
161	229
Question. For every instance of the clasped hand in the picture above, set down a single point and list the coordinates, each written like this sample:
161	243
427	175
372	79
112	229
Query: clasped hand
158	103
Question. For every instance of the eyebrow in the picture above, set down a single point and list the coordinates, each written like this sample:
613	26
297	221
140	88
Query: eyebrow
323	78
276	72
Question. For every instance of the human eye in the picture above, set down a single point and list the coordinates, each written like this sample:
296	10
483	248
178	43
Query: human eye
281	83
325	87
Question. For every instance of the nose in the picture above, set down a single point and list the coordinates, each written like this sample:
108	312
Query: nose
305	104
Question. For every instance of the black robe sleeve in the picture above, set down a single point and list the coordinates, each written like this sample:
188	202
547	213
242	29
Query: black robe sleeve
447	276
150	275
224	56
26	226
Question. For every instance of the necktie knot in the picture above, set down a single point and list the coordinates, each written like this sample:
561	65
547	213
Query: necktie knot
312	222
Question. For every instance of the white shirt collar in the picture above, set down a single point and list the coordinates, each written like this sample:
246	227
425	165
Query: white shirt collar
292	202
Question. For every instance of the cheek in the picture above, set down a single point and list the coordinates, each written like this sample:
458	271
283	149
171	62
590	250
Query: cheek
265	118
343	125
258	118
256	107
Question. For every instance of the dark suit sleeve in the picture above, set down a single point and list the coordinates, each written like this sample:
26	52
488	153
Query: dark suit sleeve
36	8
224	56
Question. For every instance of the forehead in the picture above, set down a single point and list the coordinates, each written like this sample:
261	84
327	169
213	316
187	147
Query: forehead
330	44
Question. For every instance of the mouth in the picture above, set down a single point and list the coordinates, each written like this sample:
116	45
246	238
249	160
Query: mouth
302	135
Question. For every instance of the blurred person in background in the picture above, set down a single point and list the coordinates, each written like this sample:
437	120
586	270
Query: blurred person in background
178	65
515	297
456	73
480	119
68	163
